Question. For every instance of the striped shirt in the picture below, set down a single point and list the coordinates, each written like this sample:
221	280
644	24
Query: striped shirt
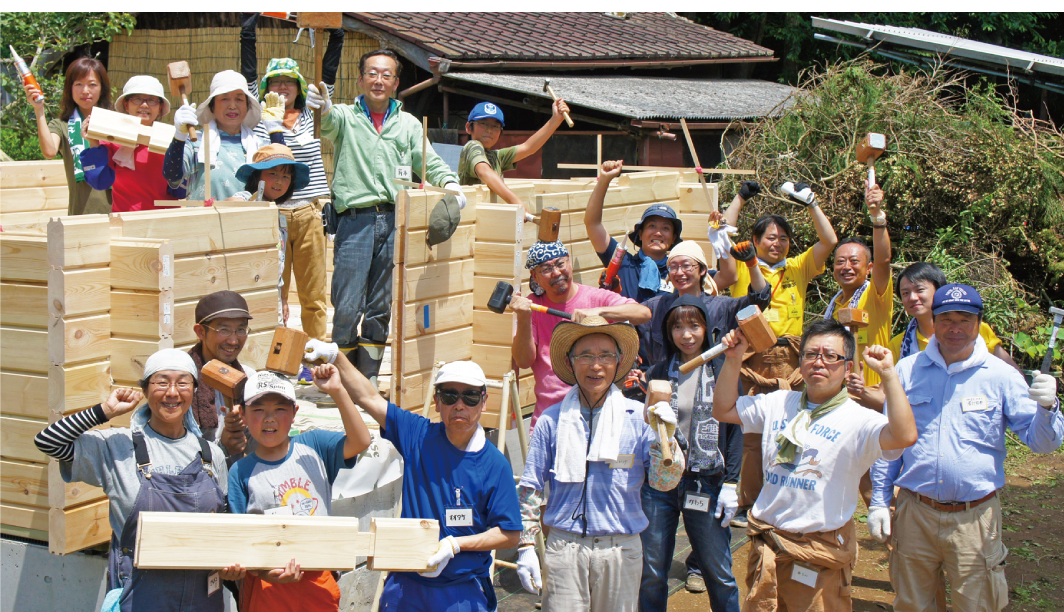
305	148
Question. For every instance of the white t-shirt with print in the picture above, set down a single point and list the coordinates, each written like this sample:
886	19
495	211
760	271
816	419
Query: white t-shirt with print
819	491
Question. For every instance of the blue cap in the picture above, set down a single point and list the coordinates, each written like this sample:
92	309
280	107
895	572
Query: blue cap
657	210
486	110
957	297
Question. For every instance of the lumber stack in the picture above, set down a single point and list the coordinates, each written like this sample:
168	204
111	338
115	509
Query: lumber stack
31	192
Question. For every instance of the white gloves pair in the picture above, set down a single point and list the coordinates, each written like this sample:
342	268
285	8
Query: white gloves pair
720	239
316	349
184	118
727	504
448	549
318	97
879	522
1043	390
528	569
662	412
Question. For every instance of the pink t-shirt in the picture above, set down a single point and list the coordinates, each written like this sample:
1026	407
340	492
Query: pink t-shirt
549	388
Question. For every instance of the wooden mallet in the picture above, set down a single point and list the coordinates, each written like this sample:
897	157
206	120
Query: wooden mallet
286	351
753	325
547	89
853	318
180	86
225	379
868	151
549	224
660	391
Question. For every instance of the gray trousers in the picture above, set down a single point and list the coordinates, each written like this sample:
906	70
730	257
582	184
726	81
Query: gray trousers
593	573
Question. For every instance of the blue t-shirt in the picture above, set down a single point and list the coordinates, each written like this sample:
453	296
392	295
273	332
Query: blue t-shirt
629	274
300	484
437	476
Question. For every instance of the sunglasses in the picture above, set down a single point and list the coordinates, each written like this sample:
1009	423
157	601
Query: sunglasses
448	397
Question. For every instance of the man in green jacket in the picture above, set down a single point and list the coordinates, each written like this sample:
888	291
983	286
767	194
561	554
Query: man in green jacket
375	142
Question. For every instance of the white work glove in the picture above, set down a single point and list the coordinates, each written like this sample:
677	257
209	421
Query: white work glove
727	504
455	187
184	118
879	522
528	569
448	549
720	239
1043	390
662	411
318	99
273	112
316	349
800	193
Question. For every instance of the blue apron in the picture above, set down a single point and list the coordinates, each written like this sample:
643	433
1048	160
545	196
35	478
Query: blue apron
193	490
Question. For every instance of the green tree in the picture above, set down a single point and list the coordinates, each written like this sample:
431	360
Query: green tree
43	40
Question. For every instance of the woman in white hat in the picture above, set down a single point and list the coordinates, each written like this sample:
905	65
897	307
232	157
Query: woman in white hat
229	116
134	174
159	463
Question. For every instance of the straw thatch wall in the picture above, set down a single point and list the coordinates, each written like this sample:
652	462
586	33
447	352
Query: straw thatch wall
211	50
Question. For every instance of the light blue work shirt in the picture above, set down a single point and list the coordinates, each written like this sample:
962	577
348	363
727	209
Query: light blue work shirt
961	412
613	502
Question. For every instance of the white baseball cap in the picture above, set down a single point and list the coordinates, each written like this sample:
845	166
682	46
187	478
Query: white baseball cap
265	382
465	372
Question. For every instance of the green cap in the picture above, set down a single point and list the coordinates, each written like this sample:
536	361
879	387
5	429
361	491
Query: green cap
283	66
444	220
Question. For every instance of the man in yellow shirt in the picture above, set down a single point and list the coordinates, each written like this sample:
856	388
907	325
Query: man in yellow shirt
777	367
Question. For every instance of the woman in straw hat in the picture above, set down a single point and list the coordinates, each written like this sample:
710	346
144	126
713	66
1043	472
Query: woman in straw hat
229	116
134	174
160	463
595	451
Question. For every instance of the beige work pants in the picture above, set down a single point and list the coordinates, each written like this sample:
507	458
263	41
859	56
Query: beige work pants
593	573
966	544
305	255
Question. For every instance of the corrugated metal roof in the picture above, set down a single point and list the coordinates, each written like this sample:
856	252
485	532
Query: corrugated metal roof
946	44
640	97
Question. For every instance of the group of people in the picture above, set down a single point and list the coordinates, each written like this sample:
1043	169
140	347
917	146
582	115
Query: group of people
780	442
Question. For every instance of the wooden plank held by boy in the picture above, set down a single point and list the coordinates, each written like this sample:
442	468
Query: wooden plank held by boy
660	391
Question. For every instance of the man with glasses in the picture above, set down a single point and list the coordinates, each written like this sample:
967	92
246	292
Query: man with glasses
451	474
551	280
815	446
480	163
375	142
222	328
592	451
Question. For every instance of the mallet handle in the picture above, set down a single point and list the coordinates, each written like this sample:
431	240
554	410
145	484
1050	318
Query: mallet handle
701	359
666	447
568	120
552	311
191	130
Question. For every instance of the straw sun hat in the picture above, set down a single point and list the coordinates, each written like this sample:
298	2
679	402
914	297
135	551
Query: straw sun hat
567	333
225	82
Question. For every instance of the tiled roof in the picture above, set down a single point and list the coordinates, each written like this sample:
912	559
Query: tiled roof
561	36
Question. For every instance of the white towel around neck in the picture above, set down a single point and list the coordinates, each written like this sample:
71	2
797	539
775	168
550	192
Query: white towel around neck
569	461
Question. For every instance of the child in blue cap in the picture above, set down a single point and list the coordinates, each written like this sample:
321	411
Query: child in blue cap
480	164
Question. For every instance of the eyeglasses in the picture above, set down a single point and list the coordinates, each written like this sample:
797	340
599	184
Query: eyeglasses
587	359
225	332
471	398
685	268
490	126
373	75
150	100
827	358
548	268
162	385
283	82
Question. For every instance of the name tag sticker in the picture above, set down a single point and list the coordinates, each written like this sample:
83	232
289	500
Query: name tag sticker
772	315
804	575
862	337
280	511
304	139
697	502
974	404
403	173
459	517
794	312
623	462
214	582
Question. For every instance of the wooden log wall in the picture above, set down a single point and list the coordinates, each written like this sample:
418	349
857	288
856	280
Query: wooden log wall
31	192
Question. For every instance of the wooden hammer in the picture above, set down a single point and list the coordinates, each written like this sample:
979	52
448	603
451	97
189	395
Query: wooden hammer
225	379
660	391
868	151
181	85
753	325
853	318
547	89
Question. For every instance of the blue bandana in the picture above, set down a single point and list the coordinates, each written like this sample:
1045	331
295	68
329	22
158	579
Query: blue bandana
542	252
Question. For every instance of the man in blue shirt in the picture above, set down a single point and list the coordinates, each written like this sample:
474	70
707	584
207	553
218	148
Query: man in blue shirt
451	474
948	514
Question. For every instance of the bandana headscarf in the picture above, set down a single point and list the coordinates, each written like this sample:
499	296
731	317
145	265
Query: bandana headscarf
542	252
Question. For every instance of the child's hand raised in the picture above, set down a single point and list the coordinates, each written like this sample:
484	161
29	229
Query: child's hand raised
327	378
611	169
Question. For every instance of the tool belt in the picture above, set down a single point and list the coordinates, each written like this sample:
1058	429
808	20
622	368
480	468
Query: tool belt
953	506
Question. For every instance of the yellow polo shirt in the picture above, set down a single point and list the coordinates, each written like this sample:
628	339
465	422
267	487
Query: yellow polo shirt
880	308
789	284
991	339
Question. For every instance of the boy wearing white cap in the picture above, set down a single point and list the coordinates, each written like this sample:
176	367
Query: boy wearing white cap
451	474
292	475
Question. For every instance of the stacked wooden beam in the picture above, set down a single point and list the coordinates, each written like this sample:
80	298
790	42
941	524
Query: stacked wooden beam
31	192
